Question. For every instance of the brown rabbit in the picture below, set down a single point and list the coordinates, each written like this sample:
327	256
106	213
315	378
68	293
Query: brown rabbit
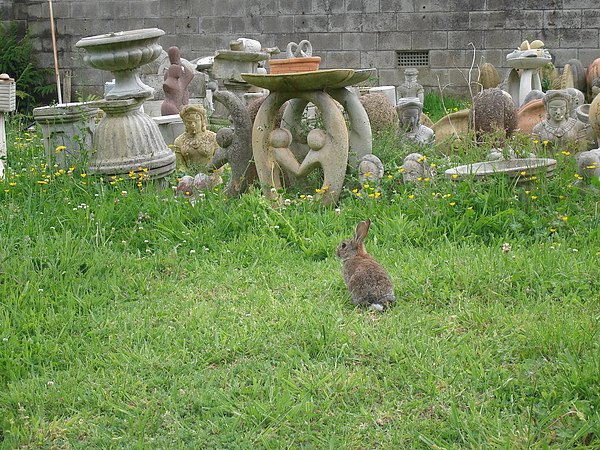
368	282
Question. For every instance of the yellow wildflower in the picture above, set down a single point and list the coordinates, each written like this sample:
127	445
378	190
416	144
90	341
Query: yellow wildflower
60	148
452	203
566	153
411	196
565	218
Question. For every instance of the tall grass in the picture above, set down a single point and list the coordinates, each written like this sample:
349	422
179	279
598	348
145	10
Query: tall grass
131	318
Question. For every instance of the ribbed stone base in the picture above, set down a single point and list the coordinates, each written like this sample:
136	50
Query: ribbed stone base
127	139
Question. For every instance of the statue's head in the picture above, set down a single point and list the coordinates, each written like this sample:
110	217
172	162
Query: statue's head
194	118
410	74
280	138
174	55
557	104
409	112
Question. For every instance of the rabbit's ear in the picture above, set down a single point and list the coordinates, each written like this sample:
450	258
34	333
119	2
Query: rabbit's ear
361	230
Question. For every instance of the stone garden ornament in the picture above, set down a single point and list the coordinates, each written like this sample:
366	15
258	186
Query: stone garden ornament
560	129
175	86
196	146
526	62
410	129
410	88
127	138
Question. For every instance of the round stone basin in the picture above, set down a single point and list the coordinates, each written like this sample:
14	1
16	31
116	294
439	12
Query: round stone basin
521	169
309	81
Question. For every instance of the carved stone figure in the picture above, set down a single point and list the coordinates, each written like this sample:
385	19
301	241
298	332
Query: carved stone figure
235	147
197	145
410	87
177	79
323	152
409	115
560	128
416	168
370	169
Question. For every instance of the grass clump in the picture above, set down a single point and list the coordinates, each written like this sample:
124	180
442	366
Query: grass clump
131	318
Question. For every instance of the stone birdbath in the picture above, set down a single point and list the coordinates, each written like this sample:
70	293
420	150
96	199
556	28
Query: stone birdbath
520	169
526	62
127	138
332	147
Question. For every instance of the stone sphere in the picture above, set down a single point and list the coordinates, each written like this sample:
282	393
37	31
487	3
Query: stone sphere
316	139
224	137
280	138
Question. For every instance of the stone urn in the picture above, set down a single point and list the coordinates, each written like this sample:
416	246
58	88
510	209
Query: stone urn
127	138
123	53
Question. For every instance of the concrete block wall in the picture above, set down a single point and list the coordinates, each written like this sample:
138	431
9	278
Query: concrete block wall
345	33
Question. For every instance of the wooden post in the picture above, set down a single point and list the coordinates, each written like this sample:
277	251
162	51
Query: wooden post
56	71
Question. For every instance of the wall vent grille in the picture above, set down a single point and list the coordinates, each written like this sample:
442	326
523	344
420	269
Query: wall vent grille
412	58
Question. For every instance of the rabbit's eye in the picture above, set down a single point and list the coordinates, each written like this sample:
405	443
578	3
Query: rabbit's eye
343	245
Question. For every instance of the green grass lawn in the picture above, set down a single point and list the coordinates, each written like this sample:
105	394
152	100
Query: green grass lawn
132	319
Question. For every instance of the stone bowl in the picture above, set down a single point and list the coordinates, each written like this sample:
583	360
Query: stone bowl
519	169
122	50
309	81
122	53
583	113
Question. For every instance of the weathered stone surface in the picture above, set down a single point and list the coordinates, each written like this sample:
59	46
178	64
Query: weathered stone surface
410	129
382	115
493	111
235	146
196	146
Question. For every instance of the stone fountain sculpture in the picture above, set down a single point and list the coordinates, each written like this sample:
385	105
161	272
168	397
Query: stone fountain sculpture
526	62
127	138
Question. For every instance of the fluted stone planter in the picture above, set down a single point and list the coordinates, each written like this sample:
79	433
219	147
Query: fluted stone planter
127	138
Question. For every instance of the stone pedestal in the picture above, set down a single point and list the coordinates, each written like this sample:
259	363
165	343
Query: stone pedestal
67	132
127	139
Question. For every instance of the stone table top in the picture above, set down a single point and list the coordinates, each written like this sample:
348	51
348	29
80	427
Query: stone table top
309	81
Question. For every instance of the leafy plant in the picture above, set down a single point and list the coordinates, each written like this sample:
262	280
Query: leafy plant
16	59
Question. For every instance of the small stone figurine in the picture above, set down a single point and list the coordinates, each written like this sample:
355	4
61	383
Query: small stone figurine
409	115
410	87
194	148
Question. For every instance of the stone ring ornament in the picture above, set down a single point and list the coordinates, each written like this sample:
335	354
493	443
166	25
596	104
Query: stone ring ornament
300	50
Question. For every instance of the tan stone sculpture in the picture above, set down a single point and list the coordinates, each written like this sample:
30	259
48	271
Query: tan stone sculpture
195	148
323	152
559	128
409	114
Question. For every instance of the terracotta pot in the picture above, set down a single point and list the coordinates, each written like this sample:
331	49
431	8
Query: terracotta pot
294	65
530	115
593	71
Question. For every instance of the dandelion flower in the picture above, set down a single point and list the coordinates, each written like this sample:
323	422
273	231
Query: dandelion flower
565	218
452	203
566	153
411	196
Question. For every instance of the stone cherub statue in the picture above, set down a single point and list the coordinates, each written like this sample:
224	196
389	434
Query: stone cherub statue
197	145
410	87
559	128
409	114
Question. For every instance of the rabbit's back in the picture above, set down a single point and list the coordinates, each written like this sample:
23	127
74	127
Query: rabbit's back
367	281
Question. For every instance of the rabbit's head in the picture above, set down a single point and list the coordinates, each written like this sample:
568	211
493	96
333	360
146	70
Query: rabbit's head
350	248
